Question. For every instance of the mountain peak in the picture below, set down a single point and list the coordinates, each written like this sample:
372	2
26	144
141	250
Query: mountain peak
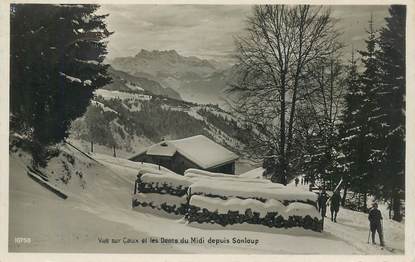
157	53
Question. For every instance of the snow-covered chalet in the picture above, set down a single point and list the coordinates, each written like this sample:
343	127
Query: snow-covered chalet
192	152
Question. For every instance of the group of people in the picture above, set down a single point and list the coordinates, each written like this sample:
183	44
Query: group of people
334	204
304	181
375	216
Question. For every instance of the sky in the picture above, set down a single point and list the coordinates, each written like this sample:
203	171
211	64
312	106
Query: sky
208	31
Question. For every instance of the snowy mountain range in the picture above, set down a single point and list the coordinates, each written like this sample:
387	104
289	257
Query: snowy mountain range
122	81
196	80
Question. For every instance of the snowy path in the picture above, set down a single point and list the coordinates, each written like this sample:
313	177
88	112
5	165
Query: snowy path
353	228
103	210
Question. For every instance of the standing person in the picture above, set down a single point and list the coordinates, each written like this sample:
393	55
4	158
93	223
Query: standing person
375	219
296	181
311	187
322	199
302	180
137	182
335	205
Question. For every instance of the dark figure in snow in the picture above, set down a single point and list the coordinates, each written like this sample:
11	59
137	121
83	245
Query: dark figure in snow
375	219
335	205
296	181
283	180
137	181
322	199
302	181
310	187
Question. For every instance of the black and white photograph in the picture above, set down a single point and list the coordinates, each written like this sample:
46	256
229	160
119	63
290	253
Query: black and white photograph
207	129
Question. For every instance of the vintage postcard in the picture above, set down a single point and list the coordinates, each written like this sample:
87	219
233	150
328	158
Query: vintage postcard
245	128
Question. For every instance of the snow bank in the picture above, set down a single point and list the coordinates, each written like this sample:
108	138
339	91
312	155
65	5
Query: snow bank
153	169
141	167
254	173
195	171
302	210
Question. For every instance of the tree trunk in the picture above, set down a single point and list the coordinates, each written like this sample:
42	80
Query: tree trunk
390	208
92	147
115	155
282	160
343	203
396	206
364	201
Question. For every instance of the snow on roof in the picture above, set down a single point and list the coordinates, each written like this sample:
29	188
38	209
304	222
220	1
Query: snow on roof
162	149
198	149
203	151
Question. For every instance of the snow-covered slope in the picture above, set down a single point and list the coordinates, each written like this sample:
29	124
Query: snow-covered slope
138	120
99	207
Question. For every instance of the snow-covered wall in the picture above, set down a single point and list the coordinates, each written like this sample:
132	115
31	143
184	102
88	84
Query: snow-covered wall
206	197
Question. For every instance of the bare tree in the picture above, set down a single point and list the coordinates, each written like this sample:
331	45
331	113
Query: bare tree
278	44
324	97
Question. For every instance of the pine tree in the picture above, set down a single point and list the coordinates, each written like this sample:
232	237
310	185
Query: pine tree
56	63
350	129
391	113
367	116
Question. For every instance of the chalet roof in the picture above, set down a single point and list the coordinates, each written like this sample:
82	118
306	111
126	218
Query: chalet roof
165	148
198	149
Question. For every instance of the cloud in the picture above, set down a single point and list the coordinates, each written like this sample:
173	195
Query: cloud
208	30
